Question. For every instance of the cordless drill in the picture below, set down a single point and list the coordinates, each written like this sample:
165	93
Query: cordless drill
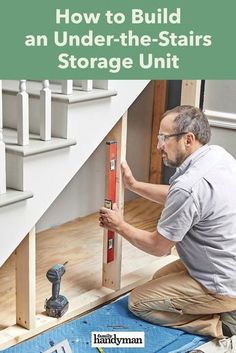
57	305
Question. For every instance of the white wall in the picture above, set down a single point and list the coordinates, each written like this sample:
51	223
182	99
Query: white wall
85	193
139	136
220	98
220	95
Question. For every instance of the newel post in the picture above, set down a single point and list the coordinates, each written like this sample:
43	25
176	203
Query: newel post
23	115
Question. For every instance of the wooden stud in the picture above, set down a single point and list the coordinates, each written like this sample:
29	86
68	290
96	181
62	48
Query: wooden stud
159	107
25	282
190	93
111	276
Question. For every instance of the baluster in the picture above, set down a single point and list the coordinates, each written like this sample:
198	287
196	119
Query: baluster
23	115
87	85
67	86
2	150
45	108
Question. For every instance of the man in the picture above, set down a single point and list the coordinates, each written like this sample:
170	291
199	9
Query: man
196	293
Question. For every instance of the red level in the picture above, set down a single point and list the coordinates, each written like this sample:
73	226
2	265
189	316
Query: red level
111	193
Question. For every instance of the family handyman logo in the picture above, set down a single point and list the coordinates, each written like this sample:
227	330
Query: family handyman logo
117	339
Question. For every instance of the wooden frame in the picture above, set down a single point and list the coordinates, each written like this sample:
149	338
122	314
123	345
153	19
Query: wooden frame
81	304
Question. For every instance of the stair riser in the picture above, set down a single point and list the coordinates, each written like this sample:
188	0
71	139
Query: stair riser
20	170
59	115
14	171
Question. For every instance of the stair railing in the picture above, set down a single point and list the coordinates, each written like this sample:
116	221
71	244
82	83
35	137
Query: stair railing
23	113
45	106
2	150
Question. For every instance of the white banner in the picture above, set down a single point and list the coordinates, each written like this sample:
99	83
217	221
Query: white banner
117	339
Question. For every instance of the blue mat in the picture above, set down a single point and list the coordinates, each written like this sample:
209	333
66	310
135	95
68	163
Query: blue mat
112	317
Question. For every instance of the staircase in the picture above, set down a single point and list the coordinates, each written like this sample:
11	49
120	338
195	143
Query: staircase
47	132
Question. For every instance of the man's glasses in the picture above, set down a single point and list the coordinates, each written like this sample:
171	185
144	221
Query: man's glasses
163	137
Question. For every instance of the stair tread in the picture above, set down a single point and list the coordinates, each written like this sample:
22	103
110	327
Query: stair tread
34	87
35	146
12	196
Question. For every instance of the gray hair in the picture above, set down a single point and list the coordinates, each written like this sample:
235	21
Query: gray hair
191	119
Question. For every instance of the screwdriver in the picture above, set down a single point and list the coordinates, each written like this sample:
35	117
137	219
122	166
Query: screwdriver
100	350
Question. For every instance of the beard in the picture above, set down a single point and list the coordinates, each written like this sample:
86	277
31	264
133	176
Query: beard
179	158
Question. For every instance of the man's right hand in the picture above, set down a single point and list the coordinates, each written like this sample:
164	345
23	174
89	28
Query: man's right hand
128	178
154	192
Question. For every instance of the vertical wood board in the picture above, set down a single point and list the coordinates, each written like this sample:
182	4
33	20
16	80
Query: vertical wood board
159	107
190	93
111	276
25	282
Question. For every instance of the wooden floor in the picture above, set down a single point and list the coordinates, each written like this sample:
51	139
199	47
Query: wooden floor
80	243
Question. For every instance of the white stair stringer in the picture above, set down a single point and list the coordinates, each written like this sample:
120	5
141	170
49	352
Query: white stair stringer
47	174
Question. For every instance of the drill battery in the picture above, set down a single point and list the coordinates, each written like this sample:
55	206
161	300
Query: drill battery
56	307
